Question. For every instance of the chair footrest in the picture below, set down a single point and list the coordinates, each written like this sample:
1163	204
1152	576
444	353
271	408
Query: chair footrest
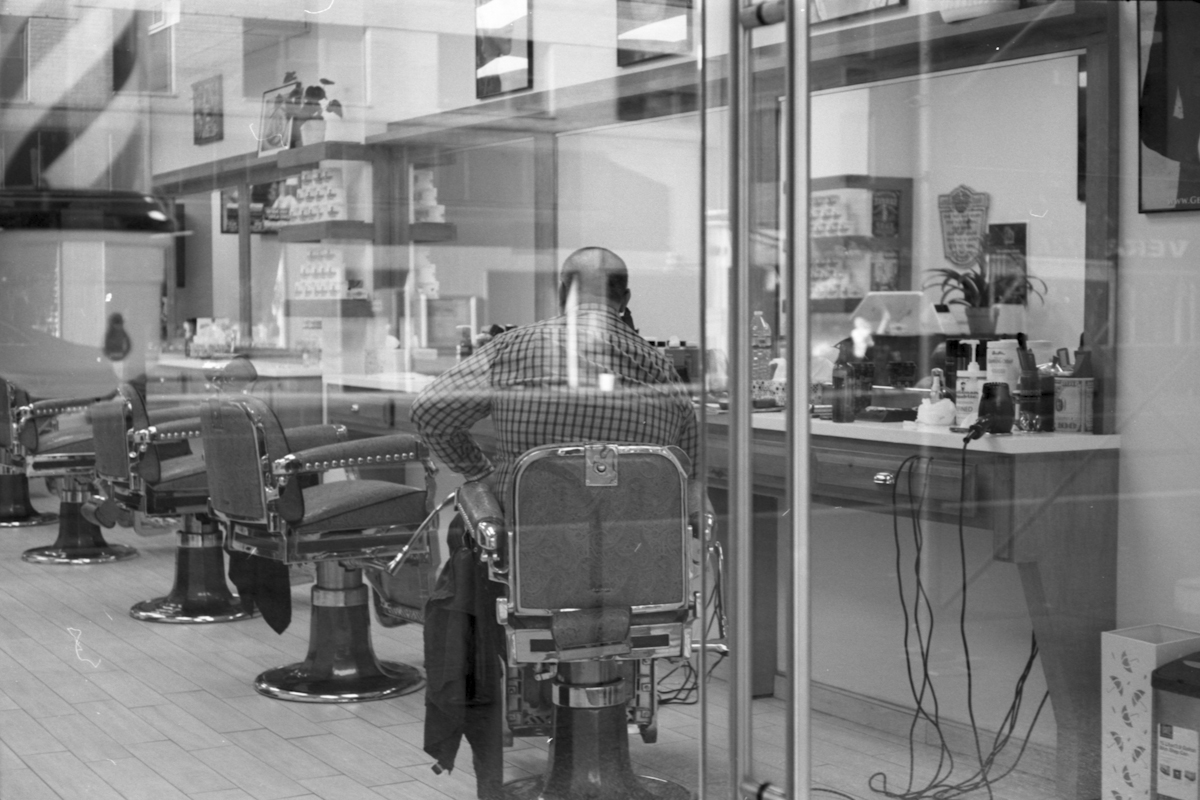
537	645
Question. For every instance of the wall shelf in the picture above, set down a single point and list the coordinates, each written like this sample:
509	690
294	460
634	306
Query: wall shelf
426	232
340	308
329	229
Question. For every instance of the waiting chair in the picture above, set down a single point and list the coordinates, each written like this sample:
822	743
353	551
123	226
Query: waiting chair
262	494
594	557
144	464
16	510
67	456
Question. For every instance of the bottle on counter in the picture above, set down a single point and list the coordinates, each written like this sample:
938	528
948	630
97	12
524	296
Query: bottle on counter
760	348
466	344
842	404
968	385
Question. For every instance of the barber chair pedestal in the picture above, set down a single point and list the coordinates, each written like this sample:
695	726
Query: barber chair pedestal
589	753
200	593
341	666
15	509
79	541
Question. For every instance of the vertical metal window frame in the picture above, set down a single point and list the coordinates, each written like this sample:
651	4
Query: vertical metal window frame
794	173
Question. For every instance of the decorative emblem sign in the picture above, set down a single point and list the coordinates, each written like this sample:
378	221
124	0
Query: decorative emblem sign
964	215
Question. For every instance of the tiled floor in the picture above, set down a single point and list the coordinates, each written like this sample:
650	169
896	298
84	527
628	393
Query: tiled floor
97	706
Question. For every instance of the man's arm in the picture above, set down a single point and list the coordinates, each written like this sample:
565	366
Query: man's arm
444	412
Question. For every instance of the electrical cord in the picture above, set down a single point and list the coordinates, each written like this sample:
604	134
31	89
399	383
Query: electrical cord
687	693
939	786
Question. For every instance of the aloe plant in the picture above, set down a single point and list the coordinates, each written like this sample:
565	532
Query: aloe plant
974	288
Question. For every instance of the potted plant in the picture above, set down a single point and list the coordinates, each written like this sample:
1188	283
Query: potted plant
982	293
308	105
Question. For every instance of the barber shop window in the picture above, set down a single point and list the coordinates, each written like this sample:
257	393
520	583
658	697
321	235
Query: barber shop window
14	58
143	54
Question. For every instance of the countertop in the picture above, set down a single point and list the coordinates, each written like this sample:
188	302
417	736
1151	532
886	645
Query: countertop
911	433
266	368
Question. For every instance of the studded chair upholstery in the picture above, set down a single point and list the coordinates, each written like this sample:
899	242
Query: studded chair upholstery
16	510
256	474
145	464
593	553
53	441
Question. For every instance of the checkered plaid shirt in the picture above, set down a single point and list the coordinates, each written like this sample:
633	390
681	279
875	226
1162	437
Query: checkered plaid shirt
540	385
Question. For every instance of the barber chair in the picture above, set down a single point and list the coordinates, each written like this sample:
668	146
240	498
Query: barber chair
16	511
144	464
263	494
65	455
594	558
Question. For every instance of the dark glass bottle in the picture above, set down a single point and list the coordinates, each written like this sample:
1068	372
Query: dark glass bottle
997	407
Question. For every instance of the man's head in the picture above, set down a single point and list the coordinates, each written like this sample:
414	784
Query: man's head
594	275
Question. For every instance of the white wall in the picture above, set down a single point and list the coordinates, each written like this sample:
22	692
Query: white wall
1158	329
635	189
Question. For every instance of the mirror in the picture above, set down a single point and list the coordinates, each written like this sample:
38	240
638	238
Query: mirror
1003	130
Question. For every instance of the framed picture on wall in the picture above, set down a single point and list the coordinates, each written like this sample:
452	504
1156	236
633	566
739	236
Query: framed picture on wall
208	111
826	10
1168	107
648	29
503	47
274	124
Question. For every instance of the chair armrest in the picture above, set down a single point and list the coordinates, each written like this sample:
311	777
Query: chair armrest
306	437
52	408
174	431
161	416
396	448
481	514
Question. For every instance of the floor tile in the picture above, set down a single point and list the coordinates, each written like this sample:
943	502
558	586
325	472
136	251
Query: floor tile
82	737
183	770
25	784
136	781
25	735
70	777
258	778
350	760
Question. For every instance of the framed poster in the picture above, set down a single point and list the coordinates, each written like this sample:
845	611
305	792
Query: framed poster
274	124
826	10
208	111
1168	107
648	29
503	47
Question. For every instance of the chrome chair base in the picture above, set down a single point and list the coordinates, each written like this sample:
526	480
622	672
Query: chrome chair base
164	609
200	594
341	666
79	555
306	683
78	542
644	788
589	751
15	509
27	522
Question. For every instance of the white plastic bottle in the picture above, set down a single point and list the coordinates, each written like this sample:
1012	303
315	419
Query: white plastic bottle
760	348
1002	363
967	387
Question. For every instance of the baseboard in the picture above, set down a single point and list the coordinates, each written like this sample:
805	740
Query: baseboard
1038	760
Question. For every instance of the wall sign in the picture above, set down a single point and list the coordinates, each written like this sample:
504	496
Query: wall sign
208	111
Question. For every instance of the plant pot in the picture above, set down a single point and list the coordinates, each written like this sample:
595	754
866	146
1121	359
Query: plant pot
981	320
312	132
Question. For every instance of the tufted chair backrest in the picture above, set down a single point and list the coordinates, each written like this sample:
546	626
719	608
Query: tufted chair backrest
599	525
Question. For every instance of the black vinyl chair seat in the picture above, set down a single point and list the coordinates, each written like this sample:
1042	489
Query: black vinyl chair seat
72	441
186	473
358	505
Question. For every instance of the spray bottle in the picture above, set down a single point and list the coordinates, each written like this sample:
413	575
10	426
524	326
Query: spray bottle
968	385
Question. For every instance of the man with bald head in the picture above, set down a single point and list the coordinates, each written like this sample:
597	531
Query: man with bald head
584	375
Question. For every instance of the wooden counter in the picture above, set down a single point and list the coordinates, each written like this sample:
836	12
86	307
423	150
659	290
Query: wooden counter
1048	500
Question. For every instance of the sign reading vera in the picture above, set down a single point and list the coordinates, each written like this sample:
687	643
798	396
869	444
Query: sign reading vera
1177	752
964	215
